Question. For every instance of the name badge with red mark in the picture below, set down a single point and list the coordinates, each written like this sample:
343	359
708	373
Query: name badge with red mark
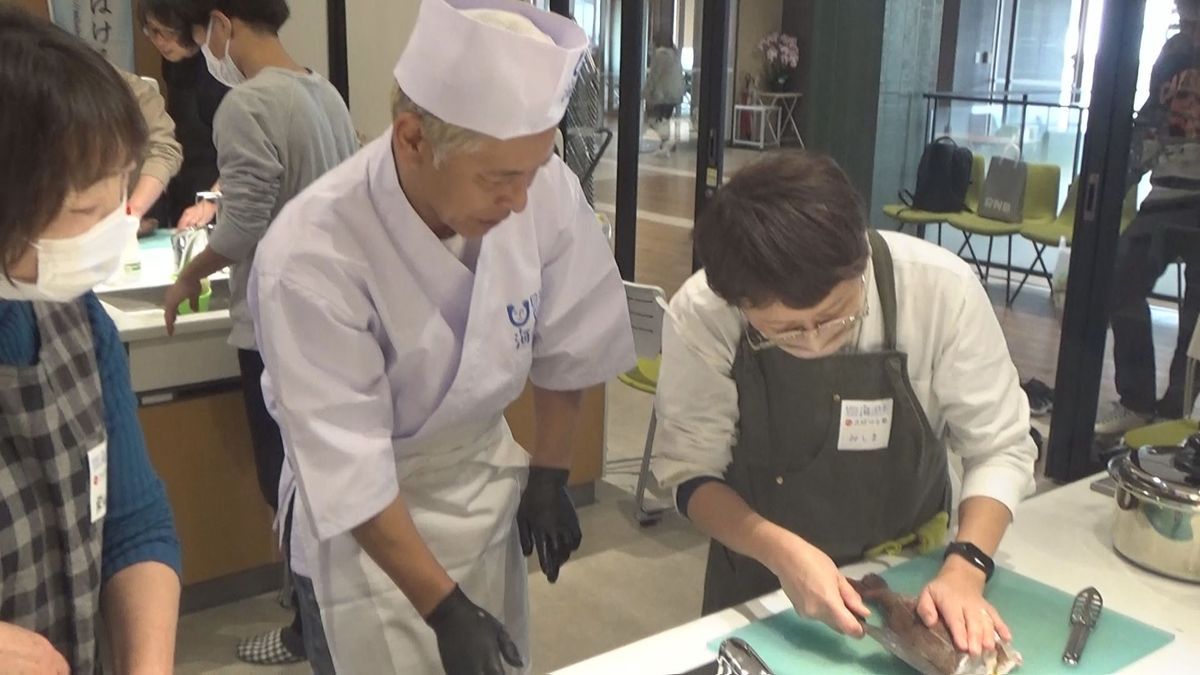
865	425
98	481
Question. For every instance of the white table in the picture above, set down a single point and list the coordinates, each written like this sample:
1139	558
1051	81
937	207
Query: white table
768	122
1060	538
786	102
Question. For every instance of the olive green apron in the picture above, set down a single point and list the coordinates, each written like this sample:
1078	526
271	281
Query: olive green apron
788	467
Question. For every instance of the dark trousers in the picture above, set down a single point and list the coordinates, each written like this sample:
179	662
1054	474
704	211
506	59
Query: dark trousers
264	432
662	112
1143	254
315	645
268	462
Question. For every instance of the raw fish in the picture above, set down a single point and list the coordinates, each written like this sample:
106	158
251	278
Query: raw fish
899	614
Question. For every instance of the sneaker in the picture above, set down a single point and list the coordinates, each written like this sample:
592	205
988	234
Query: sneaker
1118	419
268	649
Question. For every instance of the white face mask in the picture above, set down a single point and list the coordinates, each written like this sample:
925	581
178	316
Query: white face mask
224	70
68	268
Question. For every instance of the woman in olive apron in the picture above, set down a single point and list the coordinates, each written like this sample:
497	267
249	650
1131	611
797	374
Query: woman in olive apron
85	528
806	439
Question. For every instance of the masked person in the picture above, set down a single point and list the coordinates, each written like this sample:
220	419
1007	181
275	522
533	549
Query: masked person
85	528
813	377
402	302
279	128
192	98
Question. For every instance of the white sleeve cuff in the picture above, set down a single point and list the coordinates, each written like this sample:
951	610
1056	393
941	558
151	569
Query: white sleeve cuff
1006	484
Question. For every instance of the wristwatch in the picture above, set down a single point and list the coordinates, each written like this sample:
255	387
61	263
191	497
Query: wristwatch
972	554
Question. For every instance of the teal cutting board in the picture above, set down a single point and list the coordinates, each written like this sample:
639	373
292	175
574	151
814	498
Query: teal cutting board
1036	613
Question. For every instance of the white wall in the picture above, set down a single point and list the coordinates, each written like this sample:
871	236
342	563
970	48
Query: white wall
377	31
306	36
756	18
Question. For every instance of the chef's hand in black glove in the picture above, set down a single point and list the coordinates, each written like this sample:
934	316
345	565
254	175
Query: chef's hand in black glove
546	519
470	641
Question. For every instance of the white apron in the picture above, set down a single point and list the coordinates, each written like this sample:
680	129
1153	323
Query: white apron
464	510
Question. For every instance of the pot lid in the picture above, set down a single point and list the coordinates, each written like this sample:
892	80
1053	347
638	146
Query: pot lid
1170	474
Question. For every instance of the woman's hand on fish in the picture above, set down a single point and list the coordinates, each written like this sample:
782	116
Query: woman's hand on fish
816	588
956	595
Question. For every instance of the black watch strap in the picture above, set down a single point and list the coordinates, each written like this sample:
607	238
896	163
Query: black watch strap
972	554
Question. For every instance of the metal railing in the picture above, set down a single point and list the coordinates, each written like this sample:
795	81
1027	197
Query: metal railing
938	101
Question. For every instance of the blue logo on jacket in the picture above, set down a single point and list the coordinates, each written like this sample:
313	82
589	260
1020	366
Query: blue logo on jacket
519	315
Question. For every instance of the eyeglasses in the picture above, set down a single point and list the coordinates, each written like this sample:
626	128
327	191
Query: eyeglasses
153	32
804	337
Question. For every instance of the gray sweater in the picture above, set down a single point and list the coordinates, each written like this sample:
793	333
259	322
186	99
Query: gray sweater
274	134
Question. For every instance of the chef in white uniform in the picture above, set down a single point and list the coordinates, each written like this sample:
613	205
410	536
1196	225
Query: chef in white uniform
401	303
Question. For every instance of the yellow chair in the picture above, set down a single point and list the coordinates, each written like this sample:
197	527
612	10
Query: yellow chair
906	215
1041	206
647	308
1046	234
1173	432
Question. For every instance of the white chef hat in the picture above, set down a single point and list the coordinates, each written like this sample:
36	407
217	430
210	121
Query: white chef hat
486	70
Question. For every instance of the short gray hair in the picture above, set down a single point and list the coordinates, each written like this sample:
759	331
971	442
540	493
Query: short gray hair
447	139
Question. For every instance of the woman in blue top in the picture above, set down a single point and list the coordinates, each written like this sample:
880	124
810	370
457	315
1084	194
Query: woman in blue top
86	533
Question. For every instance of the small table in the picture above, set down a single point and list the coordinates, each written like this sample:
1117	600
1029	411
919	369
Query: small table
786	102
768	122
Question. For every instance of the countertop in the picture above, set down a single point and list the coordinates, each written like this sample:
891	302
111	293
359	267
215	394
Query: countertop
1060	538
133	299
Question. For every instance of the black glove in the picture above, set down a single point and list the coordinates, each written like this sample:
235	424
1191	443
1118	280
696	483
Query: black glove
470	641
546	519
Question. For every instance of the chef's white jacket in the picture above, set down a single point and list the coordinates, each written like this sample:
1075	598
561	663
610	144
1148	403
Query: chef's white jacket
375	336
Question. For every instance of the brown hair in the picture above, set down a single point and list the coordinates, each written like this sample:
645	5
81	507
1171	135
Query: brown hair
68	121
788	228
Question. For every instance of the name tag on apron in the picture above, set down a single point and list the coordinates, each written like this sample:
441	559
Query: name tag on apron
98	481
865	425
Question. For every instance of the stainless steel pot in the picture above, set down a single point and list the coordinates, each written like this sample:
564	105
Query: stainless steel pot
1157	521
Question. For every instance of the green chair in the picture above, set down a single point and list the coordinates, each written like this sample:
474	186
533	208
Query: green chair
906	215
1044	235
1041	206
1173	432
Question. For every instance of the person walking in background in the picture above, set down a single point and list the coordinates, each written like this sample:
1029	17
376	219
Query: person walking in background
664	89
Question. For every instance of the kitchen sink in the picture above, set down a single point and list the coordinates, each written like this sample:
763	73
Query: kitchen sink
151	298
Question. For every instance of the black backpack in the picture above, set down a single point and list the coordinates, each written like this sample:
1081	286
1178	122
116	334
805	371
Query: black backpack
943	177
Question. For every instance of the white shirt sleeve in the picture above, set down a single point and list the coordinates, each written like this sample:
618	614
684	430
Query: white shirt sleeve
583	335
985	411
696	399
333	403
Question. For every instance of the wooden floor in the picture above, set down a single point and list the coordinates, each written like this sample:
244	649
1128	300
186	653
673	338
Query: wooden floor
1031	326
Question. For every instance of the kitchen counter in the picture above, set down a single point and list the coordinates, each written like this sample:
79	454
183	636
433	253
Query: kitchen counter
1060	538
160	365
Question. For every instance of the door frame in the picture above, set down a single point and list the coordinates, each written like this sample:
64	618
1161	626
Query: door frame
1071	453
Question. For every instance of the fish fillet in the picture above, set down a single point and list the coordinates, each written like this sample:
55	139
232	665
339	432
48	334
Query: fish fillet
899	614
